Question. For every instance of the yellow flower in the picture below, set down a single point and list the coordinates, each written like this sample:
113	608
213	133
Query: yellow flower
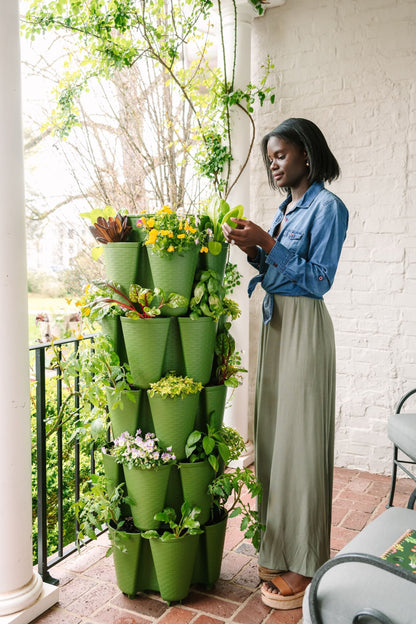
86	311
180	225
150	222
187	227
181	235
87	288
166	209
171	248
164	232
170	234
152	237
204	250
192	229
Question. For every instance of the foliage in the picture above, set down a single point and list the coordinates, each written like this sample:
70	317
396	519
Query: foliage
208	297
87	303
111	230
89	374
225	444
141	302
173	386
97	508
232	277
115	36
141	452
228	367
168	231
218	211
228	490
187	525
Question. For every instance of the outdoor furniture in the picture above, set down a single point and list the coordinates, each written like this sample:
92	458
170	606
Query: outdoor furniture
402	432
358	587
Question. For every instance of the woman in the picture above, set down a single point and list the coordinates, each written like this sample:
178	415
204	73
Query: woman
295	393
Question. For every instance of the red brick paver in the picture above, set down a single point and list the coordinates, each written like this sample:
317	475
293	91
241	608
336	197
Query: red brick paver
89	594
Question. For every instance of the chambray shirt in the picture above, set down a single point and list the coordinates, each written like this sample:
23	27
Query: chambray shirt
305	257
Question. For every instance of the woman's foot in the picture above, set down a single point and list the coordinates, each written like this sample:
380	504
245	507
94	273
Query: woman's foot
267	574
285	591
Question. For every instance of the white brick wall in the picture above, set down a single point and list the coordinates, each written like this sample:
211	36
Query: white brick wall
350	66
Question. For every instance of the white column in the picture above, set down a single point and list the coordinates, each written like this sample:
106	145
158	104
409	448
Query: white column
238	415
23	595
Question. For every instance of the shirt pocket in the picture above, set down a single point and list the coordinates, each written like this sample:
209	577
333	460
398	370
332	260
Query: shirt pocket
292	239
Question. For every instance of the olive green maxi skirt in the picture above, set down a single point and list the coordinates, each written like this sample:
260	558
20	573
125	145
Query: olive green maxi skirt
294	434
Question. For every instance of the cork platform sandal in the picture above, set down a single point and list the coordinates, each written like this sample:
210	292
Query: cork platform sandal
286	599
267	574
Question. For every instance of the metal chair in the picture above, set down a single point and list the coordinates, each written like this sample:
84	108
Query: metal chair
402	432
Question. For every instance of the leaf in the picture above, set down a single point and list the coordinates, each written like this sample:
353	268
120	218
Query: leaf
214	462
96	252
208	444
214	247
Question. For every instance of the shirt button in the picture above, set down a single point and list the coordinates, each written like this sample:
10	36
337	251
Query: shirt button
320	278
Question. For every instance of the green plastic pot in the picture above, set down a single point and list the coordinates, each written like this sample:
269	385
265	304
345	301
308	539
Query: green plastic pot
145	341
115	476
174	274
198	344
147	489
195	479
173	353
111	328
138	234
121	263
174	420
214	263
211	407
174	562
126	563
126	416
210	551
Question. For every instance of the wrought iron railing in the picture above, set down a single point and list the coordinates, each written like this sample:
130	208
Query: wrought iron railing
40	361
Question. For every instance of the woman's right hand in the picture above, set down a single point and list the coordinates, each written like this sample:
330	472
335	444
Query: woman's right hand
248	236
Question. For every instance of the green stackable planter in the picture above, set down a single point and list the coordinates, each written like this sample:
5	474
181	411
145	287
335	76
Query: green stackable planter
115	476
209	261
145	341
174	562
174	420
147	489
198	344
210	549
195	479
121	262
138	234
126	416
126	560
211	407
111	328
174	274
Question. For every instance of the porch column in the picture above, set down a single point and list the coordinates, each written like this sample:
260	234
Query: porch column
23	595
238	414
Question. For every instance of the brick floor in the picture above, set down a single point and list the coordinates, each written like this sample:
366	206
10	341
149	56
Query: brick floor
89	594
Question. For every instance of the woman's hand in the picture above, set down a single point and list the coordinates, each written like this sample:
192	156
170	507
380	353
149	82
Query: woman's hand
248	236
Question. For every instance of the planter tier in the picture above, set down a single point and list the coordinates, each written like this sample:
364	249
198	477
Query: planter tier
174	420
135	569
214	262
174	562
174	274
147	488
125	415
121	262
195	479
145	341
211	407
138	234
111	328
115	476
198	344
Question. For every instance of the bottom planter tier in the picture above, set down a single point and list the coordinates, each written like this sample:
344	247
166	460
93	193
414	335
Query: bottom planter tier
136	570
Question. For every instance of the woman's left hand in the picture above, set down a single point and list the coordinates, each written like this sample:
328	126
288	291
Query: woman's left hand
247	235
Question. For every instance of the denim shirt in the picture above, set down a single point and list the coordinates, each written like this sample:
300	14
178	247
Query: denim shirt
305	257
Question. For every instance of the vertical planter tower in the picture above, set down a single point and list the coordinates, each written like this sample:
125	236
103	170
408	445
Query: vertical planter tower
154	347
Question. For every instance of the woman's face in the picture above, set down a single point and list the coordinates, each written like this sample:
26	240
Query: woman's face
287	163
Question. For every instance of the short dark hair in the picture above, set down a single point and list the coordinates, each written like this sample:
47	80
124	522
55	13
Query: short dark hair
323	166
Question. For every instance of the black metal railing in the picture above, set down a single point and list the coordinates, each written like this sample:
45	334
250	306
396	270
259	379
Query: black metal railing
41	356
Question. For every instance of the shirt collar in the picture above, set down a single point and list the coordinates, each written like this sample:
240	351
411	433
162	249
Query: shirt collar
307	198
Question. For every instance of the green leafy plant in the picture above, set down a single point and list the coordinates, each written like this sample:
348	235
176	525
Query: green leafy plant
232	277
208	298
89	373
141	302
217	211
229	491
111	230
214	444
174	387
89	306
97	509
228	369
141	451
187	524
